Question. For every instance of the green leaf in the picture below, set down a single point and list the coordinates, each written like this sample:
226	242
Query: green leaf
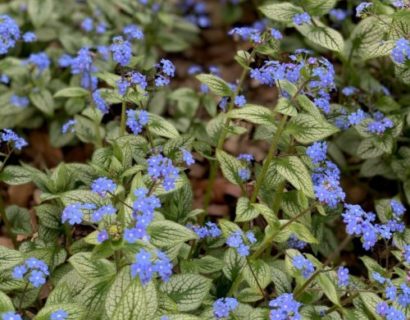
233	264
282	12
9	258
319	7
322	35
307	128
165	233
91	269
284	106
19	219
329	287
368	150
370	300
40	11
74	311
71	92
126	299
254	114
245	210
215	84
43	100
49	215
293	169
302	232
161	127
260	270
230	166
5	303
15	175
187	290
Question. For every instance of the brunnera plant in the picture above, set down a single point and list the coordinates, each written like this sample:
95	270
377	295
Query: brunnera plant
118	237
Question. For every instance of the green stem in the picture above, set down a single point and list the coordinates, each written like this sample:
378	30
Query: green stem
22	297
268	241
7	223
98	142
271	153
300	291
235	285
123	118
265	296
221	140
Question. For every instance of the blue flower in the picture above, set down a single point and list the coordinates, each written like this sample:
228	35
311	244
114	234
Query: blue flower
136	120
9	33
317	152
406	253
397	208
223	307
102	236
68	126
403	298
391	292
87	24
301	18
37	278
19	272
294	242
378	278
19	102
36	269
121	50
59	315
132	31
160	167
167	67
29	37
210	230
10	315
139	79
187	157
284	307
100	102
342	277
100	213
235	240
101	28
247	33
244	174
304	265
362	7
276	34
10	136
144	267
240	101
338	14
102	186
356	117
73	213
4	79
247	157
349	91
380	124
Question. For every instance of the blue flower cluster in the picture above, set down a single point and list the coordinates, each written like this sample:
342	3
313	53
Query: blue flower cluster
295	243
121	50
101	212
59	315
40	60
11	137
132	32
18	101
301	18
145	268
9	33
342	277
362	224
244	173
73	213
37	271
325	177
134	78
247	34
102	186
389	312
223	307
136	120
196	13
88	25
161	168
82	65
165	71
379	124
241	242
303	265
100	102
349	91
144	207
406	253
210	230
10	315
284	307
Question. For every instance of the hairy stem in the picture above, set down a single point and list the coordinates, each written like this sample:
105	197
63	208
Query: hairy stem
123	118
